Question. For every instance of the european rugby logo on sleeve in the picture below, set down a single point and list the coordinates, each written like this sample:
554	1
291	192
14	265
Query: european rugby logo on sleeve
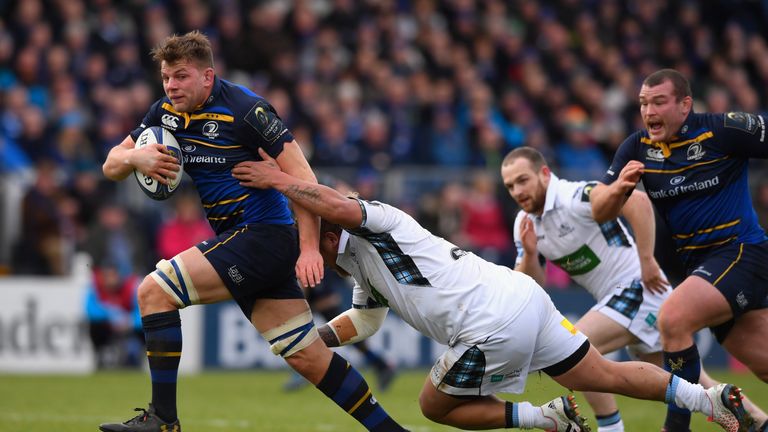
587	190
742	121
265	121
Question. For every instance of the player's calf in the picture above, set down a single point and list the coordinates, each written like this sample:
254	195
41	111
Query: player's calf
339	381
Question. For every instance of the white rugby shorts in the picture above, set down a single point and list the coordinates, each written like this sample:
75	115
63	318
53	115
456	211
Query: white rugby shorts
538	338
637	310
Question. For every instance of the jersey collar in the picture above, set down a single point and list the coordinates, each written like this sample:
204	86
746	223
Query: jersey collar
342	259
215	90
343	240
549	202
666	147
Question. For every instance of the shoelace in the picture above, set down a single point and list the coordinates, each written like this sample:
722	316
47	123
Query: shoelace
139	418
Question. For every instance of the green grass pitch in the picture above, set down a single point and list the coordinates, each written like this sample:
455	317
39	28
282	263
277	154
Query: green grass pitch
254	401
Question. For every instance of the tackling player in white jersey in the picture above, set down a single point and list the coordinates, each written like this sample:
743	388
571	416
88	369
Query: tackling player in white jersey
556	223
499	325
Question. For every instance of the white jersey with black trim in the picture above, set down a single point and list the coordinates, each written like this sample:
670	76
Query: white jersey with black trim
599	257
429	282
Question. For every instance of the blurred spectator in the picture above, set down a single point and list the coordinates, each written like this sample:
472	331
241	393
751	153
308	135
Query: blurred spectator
114	321
45	243
578	156
483	226
115	237
185	228
379	85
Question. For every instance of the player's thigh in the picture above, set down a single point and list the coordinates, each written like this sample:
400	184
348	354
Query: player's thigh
189	278
436	404
269	313
746	341
209	286
693	305
605	334
186	279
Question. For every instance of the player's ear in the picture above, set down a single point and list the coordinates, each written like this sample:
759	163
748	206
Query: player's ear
208	75
687	104
545	171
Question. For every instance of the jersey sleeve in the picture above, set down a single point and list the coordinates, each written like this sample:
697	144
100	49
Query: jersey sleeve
624	154
263	128
580	204
363	299
744	134
379	217
151	118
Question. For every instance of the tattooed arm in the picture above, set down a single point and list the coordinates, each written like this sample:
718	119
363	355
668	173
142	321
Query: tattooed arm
317	199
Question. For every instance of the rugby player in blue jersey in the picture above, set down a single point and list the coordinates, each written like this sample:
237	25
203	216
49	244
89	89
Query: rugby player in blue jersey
254	258
694	169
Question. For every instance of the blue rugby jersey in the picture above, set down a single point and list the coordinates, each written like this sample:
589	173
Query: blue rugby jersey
698	181
227	129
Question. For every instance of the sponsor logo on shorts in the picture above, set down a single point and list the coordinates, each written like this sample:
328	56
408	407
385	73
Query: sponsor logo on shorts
234	274
700	269
515	373
568	326
651	319
496	378
741	299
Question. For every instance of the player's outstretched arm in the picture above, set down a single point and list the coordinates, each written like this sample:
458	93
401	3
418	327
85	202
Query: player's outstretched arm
607	200
151	160
320	200
639	213
309	266
352	326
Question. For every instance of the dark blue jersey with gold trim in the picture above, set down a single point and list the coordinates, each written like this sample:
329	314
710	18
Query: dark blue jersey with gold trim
698	181
227	129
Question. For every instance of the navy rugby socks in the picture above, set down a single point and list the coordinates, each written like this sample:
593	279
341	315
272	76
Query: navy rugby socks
163	335
685	364
347	388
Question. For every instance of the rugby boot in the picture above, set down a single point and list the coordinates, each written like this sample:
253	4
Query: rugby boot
727	409
563	412
385	376
147	421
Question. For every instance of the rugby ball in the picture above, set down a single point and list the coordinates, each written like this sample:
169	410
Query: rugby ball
151	187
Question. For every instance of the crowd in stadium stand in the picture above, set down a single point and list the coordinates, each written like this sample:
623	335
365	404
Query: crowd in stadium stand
366	86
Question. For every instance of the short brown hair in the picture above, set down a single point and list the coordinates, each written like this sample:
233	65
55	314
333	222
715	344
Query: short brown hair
193	46
534	156
680	84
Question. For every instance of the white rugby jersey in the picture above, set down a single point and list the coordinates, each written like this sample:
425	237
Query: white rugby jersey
442	291
598	257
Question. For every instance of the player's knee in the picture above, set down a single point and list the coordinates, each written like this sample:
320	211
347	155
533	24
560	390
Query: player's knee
290	338
672	321
300	362
429	410
150	296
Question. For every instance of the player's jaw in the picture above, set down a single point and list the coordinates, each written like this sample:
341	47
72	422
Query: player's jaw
657	129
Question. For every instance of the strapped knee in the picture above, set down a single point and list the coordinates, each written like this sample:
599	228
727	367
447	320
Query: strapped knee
292	336
173	278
